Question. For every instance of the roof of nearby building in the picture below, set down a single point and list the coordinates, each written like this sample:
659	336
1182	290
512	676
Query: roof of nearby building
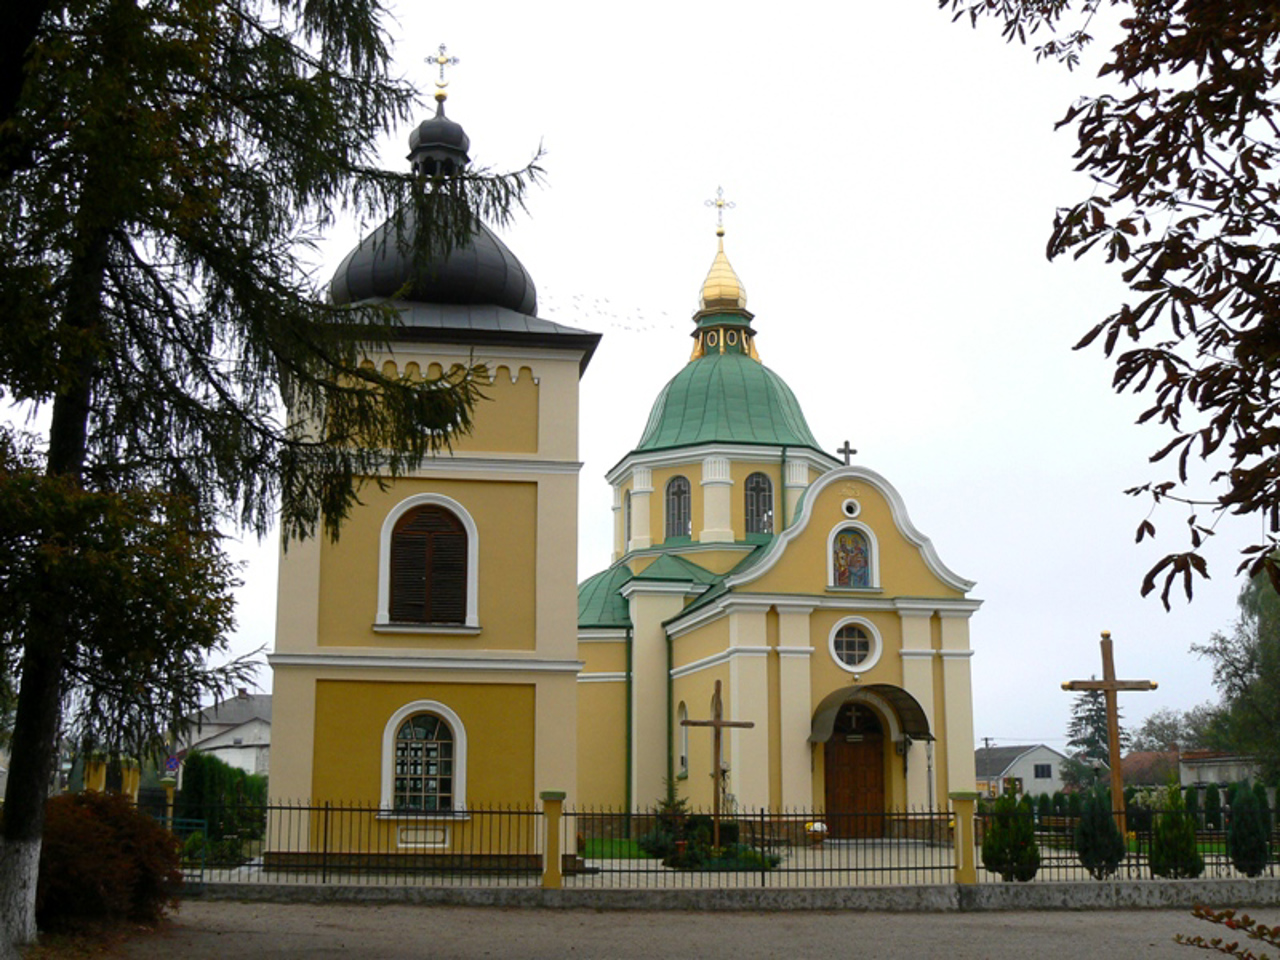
1149	766
236	710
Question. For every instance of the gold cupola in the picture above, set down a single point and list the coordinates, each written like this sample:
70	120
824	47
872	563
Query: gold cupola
722	290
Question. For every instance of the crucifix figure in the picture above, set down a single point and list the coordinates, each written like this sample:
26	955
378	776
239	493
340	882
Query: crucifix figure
720	203
716	723
442	60
848	452
1110	686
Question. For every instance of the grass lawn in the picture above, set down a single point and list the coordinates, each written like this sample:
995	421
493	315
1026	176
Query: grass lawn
613	848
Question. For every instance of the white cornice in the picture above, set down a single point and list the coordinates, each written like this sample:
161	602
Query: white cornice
404	350
771	453
681	623
901	520
717	658
617	635
461	463
682	587
955	654
601	677
804	652
917	654
398	661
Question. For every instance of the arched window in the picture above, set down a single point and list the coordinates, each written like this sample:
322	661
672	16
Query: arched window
428	567
851	561
423	765
759	493
424	761
679	515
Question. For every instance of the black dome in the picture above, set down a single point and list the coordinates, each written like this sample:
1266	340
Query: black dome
484	271
439	145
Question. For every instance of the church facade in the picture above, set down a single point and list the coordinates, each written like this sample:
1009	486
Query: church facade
746	556
434	660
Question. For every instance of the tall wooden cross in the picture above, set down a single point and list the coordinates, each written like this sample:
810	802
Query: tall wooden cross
716	723
1110	686
848	452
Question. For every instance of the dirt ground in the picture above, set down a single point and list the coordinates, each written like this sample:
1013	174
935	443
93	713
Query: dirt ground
257	931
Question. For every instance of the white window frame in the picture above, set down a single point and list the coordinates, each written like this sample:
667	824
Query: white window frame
877	644
383	618
873	562
387	806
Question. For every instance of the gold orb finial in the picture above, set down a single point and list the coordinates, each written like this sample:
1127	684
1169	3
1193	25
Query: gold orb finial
442	60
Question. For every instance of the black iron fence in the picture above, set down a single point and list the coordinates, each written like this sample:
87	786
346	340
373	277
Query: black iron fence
598	848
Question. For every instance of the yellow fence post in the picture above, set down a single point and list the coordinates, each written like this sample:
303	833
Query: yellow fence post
963	804
552	810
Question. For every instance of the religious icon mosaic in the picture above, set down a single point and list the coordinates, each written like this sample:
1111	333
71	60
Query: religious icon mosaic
851	559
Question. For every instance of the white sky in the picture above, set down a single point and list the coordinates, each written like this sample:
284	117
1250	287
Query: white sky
895	177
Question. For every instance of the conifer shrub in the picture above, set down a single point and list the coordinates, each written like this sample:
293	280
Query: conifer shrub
1073	805
103	860
1173	839
1264	808
1099	844
1059	804
1193	807
1009	847
1247	834
1212	808
1044	806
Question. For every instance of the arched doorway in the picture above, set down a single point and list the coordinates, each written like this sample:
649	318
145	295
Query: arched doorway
853	765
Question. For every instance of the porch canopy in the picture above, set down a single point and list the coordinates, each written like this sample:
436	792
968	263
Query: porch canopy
910	717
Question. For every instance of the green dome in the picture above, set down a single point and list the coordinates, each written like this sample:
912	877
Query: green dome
726	398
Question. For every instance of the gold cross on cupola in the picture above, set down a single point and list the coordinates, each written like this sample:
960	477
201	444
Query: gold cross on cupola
720	203
442	60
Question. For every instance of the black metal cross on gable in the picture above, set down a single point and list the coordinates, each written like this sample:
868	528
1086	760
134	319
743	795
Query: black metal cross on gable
847	451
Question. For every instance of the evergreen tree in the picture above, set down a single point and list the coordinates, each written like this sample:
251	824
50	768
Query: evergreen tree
1264	807
1073	805
1087	738
1247	834
1044	806
1193	807
178	160
1173	840
1212	808
1009	846
1099	844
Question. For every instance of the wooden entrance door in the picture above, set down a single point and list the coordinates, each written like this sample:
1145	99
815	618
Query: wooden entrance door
853	764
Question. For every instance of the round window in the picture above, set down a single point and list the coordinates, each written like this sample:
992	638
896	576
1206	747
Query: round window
731	337
712	339
852	645
851	508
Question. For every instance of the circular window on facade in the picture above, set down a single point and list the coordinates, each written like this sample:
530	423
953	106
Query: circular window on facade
851	508
712	339
731	338
855	646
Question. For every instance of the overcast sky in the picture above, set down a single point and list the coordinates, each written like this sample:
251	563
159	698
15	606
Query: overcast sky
895	177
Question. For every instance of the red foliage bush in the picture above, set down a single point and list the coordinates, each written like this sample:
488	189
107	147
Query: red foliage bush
102	859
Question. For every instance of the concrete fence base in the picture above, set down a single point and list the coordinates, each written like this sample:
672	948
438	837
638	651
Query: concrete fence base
1109	895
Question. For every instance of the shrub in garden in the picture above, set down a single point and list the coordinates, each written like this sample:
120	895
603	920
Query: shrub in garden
103	860
669	817
1247	834
1193	807
1009	846
1044	806
1073	805
1099	844
1212	808
1059	804
1138	807
1260	794
1173	839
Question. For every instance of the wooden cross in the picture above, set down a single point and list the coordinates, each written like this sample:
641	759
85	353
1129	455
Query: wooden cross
848	452
442	60
1110	686
716	723
720	203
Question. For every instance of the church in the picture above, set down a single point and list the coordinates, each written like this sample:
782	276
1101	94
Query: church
440	656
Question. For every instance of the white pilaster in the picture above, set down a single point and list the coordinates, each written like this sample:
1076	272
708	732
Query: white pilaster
794	484
917	679
796	707
957	691
641	494
717	493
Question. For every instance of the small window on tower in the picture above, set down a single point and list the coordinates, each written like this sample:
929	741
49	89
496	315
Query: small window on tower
429	567
759	504
679	513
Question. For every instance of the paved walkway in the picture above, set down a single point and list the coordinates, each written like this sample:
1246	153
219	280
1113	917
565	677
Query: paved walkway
215	930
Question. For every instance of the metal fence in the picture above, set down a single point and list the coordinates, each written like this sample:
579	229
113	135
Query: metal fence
598	848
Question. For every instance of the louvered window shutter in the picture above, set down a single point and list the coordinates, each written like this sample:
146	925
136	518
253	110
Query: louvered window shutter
429	567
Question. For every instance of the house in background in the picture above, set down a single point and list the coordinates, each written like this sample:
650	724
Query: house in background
1202	767
1037	767
236	731
1149	768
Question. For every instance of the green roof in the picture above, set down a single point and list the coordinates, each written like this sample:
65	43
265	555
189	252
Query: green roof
599	602
671	567
726	398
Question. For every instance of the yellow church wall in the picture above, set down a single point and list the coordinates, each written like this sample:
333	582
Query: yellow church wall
603	657
505	418
351	717
827	675
902	568
705	641
695	691
602	746
505	515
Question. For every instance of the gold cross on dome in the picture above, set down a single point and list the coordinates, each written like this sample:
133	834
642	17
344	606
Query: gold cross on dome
442	60
720	203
